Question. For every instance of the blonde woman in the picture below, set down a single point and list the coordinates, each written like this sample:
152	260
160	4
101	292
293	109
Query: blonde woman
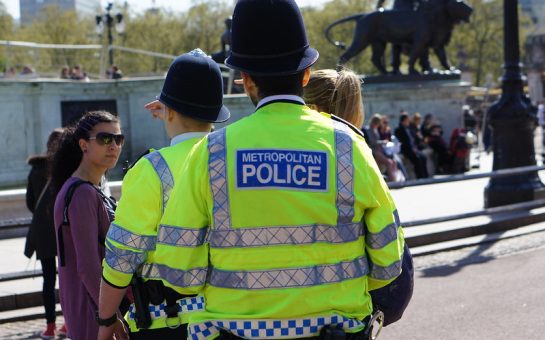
337	93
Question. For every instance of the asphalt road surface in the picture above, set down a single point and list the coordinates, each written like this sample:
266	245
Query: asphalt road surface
491	291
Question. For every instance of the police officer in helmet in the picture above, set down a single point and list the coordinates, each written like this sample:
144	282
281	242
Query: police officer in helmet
190	101
282	219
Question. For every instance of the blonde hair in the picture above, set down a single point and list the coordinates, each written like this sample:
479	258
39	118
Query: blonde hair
337	93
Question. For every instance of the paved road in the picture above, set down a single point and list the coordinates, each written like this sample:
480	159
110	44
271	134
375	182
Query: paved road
491	291
25	330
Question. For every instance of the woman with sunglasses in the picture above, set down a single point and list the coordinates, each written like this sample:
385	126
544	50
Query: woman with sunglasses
82	215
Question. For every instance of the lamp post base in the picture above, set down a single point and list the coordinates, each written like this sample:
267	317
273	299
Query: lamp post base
497	194
513	147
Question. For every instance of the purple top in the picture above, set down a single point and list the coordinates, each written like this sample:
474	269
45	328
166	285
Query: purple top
79	279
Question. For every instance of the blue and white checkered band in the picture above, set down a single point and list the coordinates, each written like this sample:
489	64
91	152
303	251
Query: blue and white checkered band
218	179
274	329
345	173
185	305
163	172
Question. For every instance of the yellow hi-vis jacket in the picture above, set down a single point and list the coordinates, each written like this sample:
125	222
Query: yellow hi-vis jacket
132	236
286	225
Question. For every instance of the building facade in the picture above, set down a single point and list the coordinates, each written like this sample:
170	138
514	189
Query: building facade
29	9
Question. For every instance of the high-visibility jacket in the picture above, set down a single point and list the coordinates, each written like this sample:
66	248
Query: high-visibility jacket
132	236
285	223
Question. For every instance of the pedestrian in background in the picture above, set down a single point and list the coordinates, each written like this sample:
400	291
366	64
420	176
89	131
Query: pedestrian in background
40	238
541	121
82	216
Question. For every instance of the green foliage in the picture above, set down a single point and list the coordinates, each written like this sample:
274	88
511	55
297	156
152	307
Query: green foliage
6	31
482	39
53	26
316	22
165	32
202	25
6	23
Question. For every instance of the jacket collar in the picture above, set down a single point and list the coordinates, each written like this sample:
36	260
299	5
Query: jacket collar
185	136
284	98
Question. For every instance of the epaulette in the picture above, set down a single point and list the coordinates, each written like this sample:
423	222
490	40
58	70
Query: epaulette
127	166
352	127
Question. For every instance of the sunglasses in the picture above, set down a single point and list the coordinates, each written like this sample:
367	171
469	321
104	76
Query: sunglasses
105	138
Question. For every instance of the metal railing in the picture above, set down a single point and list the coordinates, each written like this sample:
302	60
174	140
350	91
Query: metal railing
23	223
467	177
104	50
463	177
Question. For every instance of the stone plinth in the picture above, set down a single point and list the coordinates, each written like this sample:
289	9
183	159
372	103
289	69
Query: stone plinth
443	98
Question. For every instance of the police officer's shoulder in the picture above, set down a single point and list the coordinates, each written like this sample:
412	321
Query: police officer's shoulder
142	156
349	125
325	114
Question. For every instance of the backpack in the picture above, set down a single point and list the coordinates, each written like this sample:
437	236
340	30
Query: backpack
394	298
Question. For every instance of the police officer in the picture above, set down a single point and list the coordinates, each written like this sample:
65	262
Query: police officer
191	99
282	219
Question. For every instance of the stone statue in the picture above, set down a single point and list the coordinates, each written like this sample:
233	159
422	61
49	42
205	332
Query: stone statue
219	57
430	26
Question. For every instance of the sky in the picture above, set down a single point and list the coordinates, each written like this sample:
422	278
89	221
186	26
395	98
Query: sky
140	5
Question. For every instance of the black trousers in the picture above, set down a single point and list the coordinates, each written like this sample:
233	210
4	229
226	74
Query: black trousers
419	161
49	273
161	333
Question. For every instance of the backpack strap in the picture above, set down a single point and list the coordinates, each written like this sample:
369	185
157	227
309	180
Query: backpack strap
65	219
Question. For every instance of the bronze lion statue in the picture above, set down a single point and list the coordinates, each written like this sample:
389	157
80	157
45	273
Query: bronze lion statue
428	27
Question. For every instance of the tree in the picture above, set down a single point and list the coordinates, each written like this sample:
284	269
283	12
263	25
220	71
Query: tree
55	26
6	23
6	31
165	32
482	39
204	24
152	31
317	20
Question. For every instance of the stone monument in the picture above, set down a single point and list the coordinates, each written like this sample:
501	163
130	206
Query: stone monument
429	26
416	26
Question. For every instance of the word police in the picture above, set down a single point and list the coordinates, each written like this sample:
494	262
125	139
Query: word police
290	169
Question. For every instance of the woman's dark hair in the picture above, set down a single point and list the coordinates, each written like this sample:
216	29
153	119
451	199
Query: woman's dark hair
68	155
52	143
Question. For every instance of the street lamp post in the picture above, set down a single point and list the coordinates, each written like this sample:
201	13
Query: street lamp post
513	121
109	21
